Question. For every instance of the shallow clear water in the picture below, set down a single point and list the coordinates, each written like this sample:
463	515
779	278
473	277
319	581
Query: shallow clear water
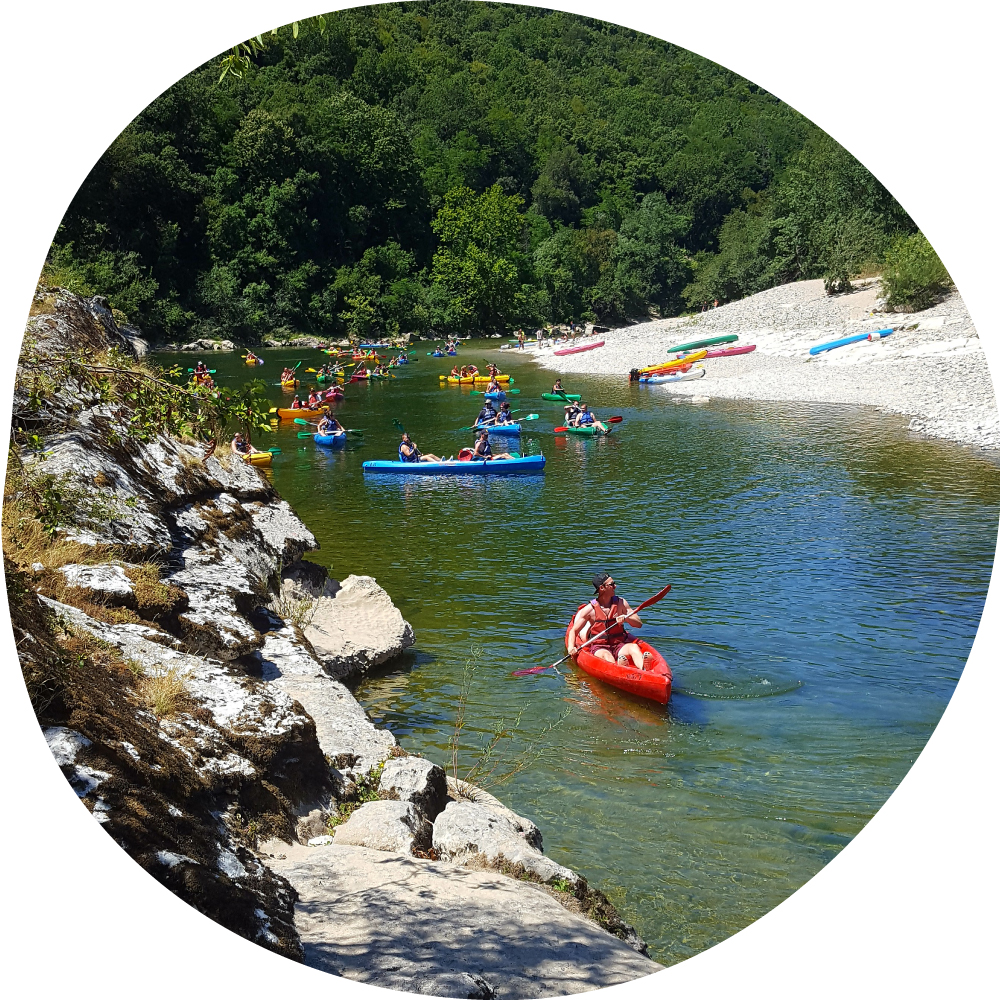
828	573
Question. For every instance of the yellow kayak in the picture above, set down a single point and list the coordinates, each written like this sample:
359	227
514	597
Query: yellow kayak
290	384
665	366
258	458
468	380
501	379
289	414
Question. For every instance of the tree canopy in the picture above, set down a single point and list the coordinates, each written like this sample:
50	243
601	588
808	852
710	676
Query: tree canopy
448	166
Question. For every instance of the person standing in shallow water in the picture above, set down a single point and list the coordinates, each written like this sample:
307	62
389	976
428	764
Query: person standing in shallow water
606	616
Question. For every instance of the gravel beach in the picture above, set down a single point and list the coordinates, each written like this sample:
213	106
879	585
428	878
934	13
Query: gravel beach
933	367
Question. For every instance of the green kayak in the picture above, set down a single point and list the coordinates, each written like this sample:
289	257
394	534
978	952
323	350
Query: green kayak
696	345
573	397
587	431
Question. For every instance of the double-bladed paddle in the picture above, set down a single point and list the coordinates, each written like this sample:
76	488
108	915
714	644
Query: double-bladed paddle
617	618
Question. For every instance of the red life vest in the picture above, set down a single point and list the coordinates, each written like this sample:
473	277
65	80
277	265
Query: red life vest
602	616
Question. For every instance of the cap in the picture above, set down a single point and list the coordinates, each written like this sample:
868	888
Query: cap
599	578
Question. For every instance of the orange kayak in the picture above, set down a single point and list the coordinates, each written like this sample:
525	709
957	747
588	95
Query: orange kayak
653	683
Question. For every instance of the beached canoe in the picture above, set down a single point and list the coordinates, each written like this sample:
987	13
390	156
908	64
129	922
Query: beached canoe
578	350
554	397
289	414
665	366
684	377
331	440
829	346
455	467
729	338
505	430
258	458
653	683
727	352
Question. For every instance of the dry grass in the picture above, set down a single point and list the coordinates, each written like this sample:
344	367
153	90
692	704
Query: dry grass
163	693
294	611
153	598
26	542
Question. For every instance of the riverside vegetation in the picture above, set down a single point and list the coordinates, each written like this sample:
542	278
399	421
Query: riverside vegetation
466	167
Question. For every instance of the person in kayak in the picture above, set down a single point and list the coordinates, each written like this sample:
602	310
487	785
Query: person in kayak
587	419
296	403
570	413
503	414
605	616
240	445
494	385
288	375
484	451
557	386
409	452
487	415
328	425
314	400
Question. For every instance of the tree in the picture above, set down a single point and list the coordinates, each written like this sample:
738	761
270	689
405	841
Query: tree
479	258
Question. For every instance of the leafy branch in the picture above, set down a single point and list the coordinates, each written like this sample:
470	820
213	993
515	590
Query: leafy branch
239	61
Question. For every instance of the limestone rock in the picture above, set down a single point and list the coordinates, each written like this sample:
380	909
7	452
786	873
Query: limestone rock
357	628
415	780
437	929
105	579
385	826
463	790
467	829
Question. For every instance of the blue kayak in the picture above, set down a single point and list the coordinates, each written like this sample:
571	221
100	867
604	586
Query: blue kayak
506	430
437	354
477	467
499	394
331	440
877	335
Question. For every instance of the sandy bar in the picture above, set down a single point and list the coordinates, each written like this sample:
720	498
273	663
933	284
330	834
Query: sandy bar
933	368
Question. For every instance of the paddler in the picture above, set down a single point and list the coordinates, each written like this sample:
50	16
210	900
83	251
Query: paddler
557	386
296	403
328	425
484	451
494	385
314	400
587	419
570	412
606	616
409	452
504	414
288	375
487	415
240	446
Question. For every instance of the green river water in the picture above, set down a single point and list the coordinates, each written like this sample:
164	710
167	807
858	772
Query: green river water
828	573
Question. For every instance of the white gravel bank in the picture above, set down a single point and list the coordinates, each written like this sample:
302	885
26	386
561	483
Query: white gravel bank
932	368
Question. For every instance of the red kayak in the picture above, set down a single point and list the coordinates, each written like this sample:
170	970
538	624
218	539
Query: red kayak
577	350
728	352
653	683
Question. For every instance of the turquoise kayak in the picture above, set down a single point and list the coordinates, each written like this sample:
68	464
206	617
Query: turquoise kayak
331	440
454	467
830	345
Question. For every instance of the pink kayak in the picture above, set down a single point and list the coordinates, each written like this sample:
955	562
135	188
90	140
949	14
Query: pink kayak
728	352
577	350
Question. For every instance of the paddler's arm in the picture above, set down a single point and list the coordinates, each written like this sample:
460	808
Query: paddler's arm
631	618
579	622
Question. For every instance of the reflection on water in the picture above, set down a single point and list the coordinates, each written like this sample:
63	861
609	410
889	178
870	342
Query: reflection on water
828	572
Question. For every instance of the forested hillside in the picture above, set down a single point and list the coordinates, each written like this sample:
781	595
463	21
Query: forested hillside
455	167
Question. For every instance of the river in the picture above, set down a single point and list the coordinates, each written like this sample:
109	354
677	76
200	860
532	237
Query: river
828	573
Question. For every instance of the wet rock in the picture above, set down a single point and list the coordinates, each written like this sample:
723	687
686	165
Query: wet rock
385	826
417	781
357	628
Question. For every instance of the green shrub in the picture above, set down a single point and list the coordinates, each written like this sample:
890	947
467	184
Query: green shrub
913	276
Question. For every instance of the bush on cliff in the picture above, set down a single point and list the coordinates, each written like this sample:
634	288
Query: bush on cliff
914	277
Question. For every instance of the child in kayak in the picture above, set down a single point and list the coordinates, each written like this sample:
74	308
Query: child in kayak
409	452
240	446
605	616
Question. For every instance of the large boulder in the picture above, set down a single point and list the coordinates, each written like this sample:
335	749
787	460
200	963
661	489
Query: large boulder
466	830
417	781
385	826
357	627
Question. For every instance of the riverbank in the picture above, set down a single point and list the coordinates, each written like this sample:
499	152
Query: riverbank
186	664
932	369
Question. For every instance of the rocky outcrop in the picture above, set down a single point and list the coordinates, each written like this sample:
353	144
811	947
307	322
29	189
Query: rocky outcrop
417	781
386	826
440	929
353	625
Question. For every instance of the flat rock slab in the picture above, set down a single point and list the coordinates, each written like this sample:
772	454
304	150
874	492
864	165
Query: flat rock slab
439	929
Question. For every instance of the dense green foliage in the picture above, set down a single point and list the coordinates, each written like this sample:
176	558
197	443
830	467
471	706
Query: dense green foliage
450	166
914	275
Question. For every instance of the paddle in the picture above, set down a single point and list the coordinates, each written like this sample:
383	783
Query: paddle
610	420
211	371
274	451
509	392
617	618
